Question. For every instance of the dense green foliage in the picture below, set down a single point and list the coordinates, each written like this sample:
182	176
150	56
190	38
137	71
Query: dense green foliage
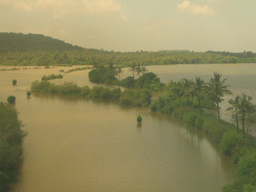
50	77
11	139
126	59
103	74
32	49
106	74
128	97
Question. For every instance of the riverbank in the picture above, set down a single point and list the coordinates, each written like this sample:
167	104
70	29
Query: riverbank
222	132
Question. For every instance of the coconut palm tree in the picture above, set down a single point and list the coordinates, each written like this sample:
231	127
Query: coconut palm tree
235	106
199	89
138	69
119	71
189	89
216	90
143	69
133	68
245	108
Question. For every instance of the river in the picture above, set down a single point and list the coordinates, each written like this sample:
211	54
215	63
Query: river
90	146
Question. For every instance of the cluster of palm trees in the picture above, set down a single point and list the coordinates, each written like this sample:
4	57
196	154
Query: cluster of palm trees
241	107
136	67
187	88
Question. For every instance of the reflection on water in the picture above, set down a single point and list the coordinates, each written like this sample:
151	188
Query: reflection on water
84	145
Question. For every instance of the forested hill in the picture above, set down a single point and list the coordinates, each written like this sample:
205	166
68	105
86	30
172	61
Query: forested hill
34	49
32	42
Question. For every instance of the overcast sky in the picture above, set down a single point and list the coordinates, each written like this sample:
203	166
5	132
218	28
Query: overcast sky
134	25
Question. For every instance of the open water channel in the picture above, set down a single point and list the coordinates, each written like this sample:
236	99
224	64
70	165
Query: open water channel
91	146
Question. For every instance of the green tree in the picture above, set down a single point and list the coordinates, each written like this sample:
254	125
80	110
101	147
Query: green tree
199	89
138	69
133	68
189	90
216	90
245	108
235	109
119	71
11	99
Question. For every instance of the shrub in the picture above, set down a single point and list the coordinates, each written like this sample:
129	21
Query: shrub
247	167
139	119
85	91
11	99
230	142
69	88
190	118
128	82
40	87
106	93
199	122
14	82
116	93
50	77
28	93
96	92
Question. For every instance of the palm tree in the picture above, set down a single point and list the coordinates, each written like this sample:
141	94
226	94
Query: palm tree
199	88
133	68
217	89
235	106
119	71
189	89
177	88
245	108
138	69
143	69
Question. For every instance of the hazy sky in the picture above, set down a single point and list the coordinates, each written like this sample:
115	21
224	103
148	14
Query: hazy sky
134	25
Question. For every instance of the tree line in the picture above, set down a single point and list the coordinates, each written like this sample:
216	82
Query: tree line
92	57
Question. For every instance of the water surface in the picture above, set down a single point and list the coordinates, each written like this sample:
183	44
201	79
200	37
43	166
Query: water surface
84	145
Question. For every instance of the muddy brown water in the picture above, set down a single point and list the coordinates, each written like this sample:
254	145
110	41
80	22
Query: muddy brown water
90	146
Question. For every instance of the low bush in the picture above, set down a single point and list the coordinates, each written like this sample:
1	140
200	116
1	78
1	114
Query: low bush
230	142
50	77
11	99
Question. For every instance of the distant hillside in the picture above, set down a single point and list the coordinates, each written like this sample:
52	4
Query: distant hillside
32	42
